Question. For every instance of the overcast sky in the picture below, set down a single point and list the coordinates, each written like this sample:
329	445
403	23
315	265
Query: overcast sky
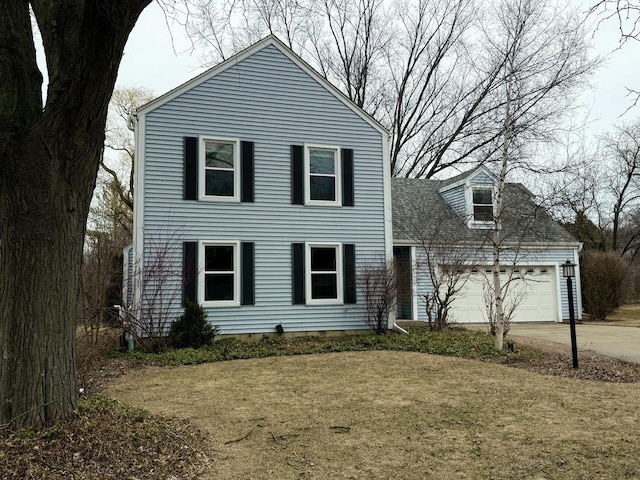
155	61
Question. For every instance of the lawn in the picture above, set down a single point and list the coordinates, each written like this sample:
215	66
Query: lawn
625	316
395	415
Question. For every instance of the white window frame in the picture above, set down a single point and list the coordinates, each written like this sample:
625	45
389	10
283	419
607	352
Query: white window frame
337	175
202	273
339	300
202	168
472	222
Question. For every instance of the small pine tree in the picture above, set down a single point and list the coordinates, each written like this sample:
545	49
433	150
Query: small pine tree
192	330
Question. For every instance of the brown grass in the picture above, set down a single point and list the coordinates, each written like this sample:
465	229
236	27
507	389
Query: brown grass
625	316
396	415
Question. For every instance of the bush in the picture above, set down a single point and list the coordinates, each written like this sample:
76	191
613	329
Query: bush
604	282
192	330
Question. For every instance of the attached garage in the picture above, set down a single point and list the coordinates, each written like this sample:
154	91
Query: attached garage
533	288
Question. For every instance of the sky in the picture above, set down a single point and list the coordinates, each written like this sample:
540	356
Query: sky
159	57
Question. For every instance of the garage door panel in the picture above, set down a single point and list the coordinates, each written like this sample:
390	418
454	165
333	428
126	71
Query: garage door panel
534	287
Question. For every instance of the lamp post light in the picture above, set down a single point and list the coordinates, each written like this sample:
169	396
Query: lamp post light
568	272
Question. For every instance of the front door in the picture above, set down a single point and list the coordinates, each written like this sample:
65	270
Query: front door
402	264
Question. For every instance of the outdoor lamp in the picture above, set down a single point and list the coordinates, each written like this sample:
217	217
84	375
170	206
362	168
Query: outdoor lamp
568	269
568	272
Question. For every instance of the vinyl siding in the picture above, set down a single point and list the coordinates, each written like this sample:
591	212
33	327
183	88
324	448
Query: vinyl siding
456	200
268	100
481	179
549	257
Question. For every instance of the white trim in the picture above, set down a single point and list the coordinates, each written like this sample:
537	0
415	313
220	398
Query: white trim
576	260
202	196
414	283
532	246
559	293
464	180
337	165
387	206
138	209
236	273
256	47
339	300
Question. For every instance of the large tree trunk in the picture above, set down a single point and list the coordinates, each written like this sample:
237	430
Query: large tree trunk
48	164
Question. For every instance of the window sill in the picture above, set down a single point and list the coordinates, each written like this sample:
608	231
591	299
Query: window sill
328	301
481	225
220	304
322	203
213	199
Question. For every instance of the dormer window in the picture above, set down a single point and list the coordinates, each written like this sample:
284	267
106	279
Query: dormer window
482	205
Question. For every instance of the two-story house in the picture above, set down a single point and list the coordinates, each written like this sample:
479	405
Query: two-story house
259	189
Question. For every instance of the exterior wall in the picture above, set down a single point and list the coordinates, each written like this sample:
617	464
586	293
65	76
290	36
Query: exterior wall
481	178
456	200
550	256
266	99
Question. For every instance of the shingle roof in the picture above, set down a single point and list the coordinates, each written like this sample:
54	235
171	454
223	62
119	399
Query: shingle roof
419	209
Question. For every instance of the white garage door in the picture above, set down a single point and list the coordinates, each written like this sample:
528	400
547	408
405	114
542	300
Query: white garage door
533	288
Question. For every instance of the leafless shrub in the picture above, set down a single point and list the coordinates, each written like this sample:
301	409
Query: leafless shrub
605	282
447	280
159	280
513	293
377	281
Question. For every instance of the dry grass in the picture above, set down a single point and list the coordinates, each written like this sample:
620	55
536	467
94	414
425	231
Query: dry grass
396	415
625	316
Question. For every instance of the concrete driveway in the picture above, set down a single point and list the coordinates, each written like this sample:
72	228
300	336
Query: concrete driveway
618	342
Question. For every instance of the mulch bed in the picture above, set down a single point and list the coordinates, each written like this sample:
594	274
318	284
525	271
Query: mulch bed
556	360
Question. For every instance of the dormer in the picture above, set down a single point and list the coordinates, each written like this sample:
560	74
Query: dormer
472	196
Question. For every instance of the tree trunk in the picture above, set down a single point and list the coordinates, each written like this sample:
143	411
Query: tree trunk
41	249
49	159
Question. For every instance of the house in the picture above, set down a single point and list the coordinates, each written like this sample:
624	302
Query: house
261	189
458	214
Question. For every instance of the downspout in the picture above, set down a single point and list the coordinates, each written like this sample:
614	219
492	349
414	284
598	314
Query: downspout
399	329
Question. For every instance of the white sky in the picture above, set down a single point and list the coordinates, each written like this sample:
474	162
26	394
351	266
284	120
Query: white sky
154	61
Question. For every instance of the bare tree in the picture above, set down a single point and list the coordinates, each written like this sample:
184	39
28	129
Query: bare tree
119	138
543	56
441	260
419	68
377	281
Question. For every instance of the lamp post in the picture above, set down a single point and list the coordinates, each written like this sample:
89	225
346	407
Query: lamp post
569	271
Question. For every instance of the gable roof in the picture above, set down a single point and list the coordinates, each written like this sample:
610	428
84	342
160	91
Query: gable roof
463	177
419	207
270	40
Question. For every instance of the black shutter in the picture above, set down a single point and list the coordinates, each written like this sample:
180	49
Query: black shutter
349	260
246	169
347	177
247	295
297	174
190	168
297	261
190	272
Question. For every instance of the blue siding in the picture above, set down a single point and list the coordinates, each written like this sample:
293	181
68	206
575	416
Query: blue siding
481	179
269	100
456	200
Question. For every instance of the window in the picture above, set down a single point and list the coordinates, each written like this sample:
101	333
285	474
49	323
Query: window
219	165
322	175
482	205
324	274
219	281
